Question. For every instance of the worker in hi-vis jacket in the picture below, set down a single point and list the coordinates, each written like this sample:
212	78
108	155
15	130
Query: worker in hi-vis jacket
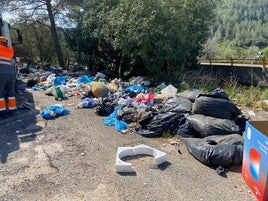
7	79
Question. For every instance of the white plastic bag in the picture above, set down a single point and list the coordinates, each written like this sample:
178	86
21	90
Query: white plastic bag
169	91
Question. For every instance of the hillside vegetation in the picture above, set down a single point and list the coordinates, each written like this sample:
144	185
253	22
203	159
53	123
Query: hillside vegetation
240	29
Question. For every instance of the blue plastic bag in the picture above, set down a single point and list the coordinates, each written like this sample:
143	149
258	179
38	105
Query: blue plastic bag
111	119
60	80
120	125
54	111
85	79
87	103
134	88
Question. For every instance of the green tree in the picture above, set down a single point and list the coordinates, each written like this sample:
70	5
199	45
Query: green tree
246	17
80	37
168	35
265	52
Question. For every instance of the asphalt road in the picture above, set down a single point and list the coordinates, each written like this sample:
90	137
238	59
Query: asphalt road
73	158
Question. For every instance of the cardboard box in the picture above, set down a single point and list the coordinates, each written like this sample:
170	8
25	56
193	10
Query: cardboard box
255	158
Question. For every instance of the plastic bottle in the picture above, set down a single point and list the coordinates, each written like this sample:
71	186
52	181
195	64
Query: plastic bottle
58	93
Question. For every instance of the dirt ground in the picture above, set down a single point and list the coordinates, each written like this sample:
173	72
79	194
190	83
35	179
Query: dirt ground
73	158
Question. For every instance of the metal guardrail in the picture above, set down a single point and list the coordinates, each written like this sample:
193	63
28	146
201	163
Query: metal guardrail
258	61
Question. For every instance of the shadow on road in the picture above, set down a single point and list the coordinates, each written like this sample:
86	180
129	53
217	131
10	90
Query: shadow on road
20	127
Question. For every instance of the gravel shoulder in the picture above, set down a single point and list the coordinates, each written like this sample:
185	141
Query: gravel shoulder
73	158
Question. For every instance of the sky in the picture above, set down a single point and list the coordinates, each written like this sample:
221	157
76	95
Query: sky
8	17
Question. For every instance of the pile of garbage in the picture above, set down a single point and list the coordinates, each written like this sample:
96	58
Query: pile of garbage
209	123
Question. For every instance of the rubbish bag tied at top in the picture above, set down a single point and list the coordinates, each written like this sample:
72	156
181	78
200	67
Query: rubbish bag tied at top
54	111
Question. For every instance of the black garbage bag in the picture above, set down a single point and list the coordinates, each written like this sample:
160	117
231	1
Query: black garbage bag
190	94
176	104
240	121
184	129
105	107
215	107
216	93
32	82
159	123
217	150
146	119
206	125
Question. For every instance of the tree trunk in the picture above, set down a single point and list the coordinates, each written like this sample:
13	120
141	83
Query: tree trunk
54	34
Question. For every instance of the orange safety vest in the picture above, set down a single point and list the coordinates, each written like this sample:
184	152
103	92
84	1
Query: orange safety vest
6	52
6	55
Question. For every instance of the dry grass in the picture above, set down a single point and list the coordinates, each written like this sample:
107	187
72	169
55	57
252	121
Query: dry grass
248	96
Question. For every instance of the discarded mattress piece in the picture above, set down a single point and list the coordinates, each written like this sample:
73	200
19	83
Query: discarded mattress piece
122	166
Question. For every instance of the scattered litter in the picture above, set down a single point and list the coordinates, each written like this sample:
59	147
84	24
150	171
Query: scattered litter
69	104
39	88
173	142
177	147
220	170
88	103
197	118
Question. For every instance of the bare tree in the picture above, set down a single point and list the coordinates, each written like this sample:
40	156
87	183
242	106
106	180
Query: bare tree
54	34
41	11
